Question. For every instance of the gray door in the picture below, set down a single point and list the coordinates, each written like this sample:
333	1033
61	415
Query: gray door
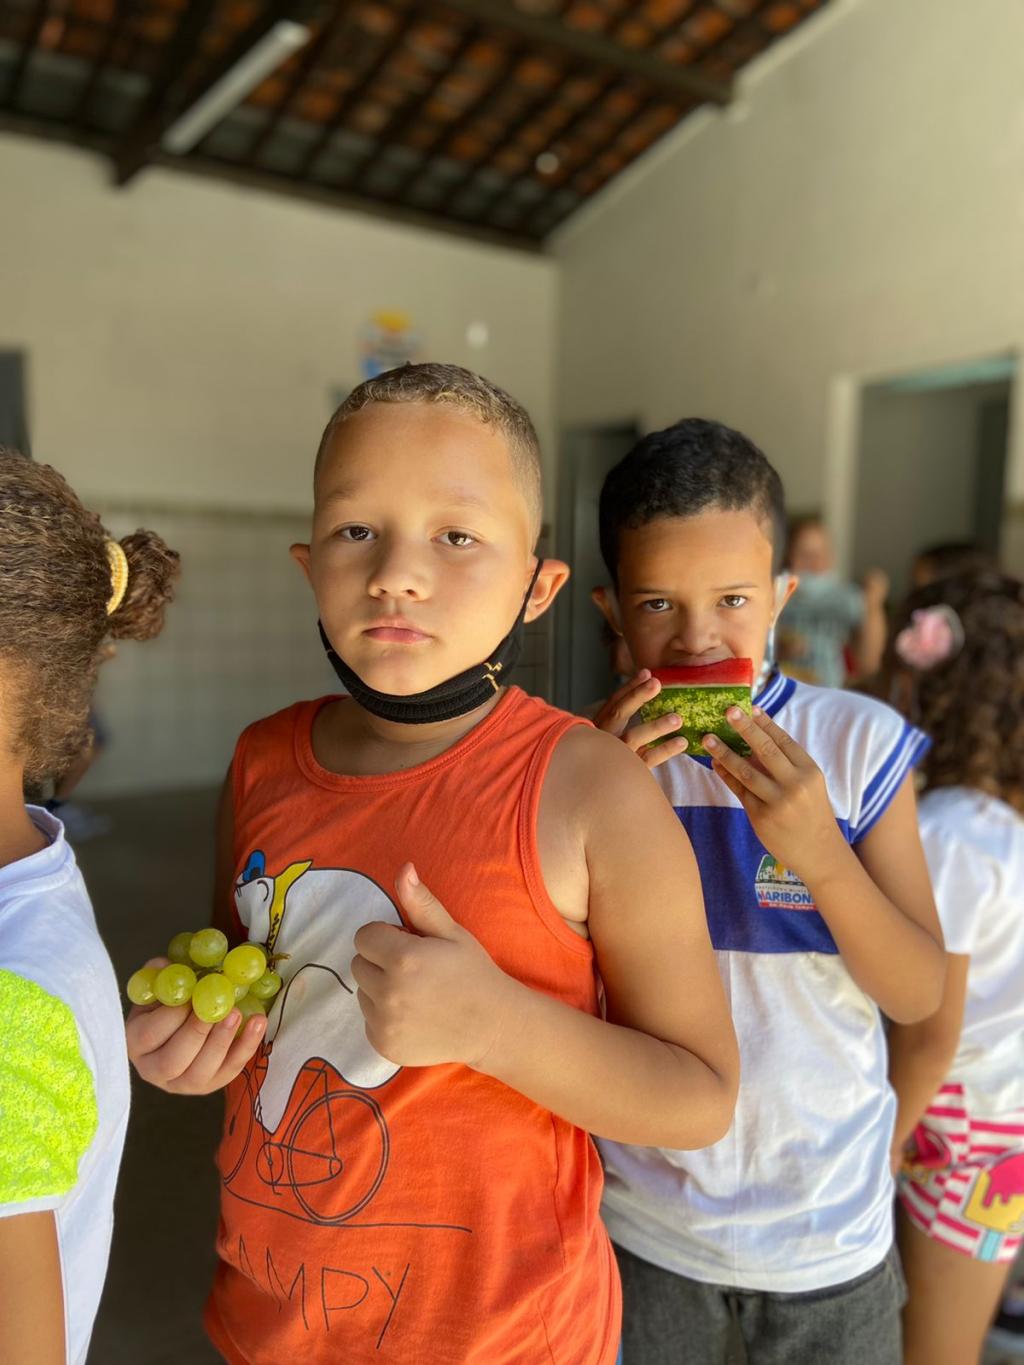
13	418
990	472
582	670
932	469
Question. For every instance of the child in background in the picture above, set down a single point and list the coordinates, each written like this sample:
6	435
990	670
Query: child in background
407	1172
831	630
65	586
959	1075
822	917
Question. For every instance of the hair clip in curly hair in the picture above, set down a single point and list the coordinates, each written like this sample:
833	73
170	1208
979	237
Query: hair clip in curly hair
118	561
935	635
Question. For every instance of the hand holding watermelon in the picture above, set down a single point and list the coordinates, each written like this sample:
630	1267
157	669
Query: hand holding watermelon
785	796
653	740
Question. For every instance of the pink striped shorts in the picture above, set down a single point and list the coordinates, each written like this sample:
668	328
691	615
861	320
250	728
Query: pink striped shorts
964	1184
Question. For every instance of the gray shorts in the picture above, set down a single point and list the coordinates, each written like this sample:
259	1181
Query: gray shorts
671	1320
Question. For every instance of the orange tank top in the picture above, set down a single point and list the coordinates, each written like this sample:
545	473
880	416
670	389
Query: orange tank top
421	1215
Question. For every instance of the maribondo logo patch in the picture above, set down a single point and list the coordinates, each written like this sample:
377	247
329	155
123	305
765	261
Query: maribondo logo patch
778	888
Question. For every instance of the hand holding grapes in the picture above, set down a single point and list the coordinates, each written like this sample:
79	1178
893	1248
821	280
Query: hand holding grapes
200	1016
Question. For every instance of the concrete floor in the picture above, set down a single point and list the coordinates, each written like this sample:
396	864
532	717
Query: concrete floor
149	878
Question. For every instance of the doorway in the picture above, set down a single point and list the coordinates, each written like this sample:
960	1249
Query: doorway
931	466
583	672
13	415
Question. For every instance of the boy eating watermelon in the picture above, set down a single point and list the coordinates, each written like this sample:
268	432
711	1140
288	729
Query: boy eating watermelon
821	915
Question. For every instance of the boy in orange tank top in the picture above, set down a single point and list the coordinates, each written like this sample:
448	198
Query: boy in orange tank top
406	1169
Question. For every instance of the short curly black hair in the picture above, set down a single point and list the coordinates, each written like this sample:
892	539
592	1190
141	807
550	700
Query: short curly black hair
690	467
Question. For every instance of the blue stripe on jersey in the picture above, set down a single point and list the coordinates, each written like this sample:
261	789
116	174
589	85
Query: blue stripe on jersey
905	755
747	914
777	691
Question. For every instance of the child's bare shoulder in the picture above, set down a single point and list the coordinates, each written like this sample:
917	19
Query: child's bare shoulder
586	749
593	774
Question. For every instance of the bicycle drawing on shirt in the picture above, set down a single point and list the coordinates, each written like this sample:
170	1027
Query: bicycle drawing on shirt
321	1139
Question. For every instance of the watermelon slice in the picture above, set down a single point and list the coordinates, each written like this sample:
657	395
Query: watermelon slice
700	697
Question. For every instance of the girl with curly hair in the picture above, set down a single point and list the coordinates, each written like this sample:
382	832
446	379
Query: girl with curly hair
65	589
957	664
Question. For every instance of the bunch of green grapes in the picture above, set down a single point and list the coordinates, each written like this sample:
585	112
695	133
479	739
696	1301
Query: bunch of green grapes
203	972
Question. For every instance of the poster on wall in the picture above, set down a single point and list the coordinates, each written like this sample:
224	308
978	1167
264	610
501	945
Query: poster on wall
386	340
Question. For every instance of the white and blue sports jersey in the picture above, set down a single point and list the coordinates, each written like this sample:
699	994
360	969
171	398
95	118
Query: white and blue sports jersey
798	1195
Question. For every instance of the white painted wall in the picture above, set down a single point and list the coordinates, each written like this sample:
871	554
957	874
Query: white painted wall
184	336
859	213
183	341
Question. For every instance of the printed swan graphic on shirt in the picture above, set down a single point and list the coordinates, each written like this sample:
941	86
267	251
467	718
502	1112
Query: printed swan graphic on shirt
313	914
305	1132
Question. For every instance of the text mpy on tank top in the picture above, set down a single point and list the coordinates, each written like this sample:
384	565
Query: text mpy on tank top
371	1212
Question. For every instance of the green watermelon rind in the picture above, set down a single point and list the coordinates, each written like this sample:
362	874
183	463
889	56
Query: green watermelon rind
702	711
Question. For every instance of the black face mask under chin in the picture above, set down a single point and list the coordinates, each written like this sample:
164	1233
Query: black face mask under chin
448	700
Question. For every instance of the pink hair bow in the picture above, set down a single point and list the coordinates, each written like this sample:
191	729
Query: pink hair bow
935	635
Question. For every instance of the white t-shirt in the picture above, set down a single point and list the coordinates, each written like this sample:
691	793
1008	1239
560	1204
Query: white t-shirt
63	1069
798	1195
975	850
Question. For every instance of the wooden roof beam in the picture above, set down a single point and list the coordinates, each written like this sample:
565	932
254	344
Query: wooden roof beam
304	68
115	31
406	115
530	212
595	50
162	108
564	135
532	109
749	25
156	116
351	98
479	107
28	50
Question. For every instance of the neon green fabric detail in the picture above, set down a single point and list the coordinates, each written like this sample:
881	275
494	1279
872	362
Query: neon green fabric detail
48	1112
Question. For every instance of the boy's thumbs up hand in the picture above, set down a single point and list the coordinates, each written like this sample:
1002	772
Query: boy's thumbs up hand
423	911
431	996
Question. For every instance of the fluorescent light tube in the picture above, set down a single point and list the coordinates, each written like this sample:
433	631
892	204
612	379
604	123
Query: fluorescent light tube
280	42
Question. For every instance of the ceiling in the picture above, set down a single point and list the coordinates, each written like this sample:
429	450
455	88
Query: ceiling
493	118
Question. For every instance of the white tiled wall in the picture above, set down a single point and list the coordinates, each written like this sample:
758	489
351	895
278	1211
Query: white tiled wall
240	642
